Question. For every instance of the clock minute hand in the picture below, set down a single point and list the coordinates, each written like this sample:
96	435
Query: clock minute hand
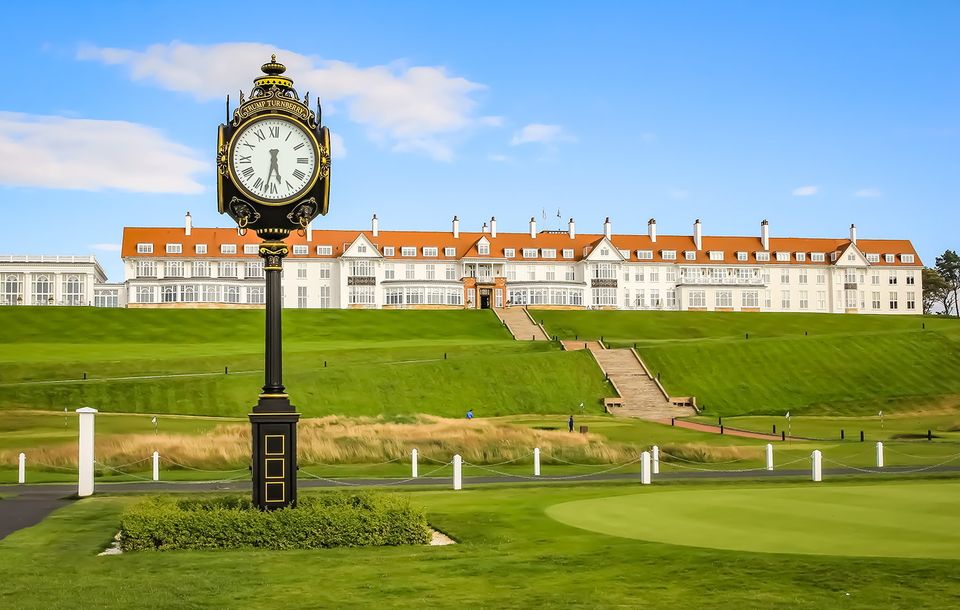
273	165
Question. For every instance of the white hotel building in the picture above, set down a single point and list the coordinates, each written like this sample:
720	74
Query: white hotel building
56	280
198	267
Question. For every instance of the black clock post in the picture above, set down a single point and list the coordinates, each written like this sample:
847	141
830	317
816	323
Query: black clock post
273	159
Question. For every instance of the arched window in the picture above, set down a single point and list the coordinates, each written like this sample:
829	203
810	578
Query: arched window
72	290
42	290
12	290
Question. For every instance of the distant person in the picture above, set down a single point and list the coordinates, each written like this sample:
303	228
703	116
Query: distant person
570	423
469	413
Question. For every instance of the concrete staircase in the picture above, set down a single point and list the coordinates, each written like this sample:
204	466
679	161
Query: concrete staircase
520	325
642	396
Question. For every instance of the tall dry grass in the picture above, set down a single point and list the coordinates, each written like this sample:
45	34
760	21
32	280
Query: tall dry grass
698	452
342	440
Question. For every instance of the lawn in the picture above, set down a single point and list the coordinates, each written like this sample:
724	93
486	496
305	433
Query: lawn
510	553
803	363
354	362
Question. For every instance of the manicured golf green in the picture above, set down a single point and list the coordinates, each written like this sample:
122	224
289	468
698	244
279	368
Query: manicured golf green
912	519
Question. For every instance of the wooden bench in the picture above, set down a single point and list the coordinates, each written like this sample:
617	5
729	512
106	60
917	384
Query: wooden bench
612	402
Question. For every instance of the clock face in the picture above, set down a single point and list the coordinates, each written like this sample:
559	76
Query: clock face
273	160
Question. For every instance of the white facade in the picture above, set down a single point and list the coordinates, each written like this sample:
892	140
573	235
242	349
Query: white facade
383	269
56	280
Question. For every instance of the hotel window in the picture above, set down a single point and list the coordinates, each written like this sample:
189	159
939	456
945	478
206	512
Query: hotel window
906	258
228	269
188	293
168	294
174	248
409	271
388	272
301	272
821	277
200	248
361	269
173	269
639	274
654	274
817	257
361	249
749	298
106	298
875	300
626	299
483	249
697	298
625	254
911	278
850	276
785	299
146	269
801	257
144	248
604	297
741	256
784	276
430	251
645	255
802	277
255	295
231	294
548	253
144	294
201	269
804	302
388	251
567	253
450	272
671	274
570	274
253	248
509	252
655	298
324	250
873	258
43	290
763	256
892	278
911	300
531	272
668	255
211	293
783	257
228	248
690	255
716	255
551	273
449	251
724	298
671	300
893	300
431	272
851	257
302	297
12	289
325	271
254	269
890	258
822	299
641	298
325	297
604	251
875	278
529	253
408	251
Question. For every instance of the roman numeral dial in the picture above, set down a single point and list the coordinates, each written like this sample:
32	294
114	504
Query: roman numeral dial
273	160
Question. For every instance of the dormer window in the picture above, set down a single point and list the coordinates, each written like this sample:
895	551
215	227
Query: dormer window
529	253
389	251
742	256
690	255
430	251
817	257
625	254
645	255
716	255
568	253
450	252
548	253
873	258
783	257
801	256
174	248
228	248
889	258
250	248
144	248
509	252
200	248
483	249
668	255
324	250
906	258
408	251
763	257
299	249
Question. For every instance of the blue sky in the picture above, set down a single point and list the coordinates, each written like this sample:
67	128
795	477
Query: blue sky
813	115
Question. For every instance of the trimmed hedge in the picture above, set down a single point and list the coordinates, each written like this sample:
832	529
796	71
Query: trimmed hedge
231	522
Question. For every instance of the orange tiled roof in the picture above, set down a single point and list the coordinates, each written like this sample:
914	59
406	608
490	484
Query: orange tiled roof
466	245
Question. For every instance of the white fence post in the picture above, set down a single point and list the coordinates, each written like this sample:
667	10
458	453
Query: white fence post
457	472
879	454
656	460
536	461
22	469
86	457
769	456
156	466
645	468
413	464
817	471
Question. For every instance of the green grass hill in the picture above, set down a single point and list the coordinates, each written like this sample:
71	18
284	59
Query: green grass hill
377	362
803	363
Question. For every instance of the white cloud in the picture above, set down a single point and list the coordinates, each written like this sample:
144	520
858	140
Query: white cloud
805	191
540	133
337	149
91	155
414	108
106	247
868	192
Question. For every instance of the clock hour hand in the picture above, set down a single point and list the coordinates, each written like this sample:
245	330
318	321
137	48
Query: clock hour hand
273	165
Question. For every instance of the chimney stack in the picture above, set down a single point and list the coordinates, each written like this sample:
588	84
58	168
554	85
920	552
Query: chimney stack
456	228
188	224
652	229
607	228
765	235
572	230
533	227
484	228
853	234
309	232
493	226
375	226
698	235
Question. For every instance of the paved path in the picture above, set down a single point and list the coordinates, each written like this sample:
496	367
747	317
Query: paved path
691	425
519	324
34	502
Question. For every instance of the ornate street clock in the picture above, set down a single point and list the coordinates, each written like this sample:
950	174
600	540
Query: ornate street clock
273	161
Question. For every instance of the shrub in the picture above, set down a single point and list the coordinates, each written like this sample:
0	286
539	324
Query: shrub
232	522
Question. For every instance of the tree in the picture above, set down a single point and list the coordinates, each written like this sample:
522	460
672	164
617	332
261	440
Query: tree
948	266
936	291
